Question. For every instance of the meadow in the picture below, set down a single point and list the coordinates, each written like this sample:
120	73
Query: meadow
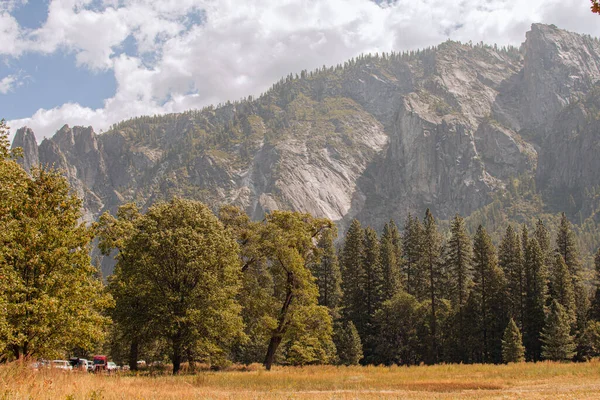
515	381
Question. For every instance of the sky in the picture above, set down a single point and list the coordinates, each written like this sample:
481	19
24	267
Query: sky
97	62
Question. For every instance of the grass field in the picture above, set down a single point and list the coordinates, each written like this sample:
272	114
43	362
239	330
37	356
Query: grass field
517	381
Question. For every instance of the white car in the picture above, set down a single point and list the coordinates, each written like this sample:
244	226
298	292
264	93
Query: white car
111	367
62	364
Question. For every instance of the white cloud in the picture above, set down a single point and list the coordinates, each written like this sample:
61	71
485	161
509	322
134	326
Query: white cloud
8	83
9	5
241	48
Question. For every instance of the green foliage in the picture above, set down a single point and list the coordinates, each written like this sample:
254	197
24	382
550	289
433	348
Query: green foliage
47	276
310	337
348	344
352	272
179	266
431	266
558	344
590	341
414	277
458	256
391	259
595	306
512	344
327	273
536	283
561	286
566	247
488	300
511	262
398	322
284	243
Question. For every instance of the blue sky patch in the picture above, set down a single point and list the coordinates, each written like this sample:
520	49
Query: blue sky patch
49	81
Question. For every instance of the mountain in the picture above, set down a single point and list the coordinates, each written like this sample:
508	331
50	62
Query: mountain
450	128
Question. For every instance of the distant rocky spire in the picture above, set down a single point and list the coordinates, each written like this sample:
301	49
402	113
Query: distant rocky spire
25	138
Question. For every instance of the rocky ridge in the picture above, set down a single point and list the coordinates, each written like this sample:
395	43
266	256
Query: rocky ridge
375	138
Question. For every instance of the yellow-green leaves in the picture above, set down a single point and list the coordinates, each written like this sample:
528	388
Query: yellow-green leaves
50	298
177	278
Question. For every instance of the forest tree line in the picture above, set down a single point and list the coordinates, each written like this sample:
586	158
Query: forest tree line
191	286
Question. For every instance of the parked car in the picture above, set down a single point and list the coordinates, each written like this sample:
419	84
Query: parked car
62	364
80	364
111	367
90	366
100	363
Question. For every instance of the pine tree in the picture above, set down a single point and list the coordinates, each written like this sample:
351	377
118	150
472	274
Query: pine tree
595	307
411	250
353	299
566	247
524	237
489	299
327	274
536	278
348	344
561	286
373	285
430	264
391	259
512	344
542	236
558	344
511	262
458	265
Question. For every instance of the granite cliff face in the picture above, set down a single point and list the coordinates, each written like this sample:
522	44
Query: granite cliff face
375	138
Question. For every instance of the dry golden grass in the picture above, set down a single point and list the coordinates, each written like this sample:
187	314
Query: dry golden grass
517	381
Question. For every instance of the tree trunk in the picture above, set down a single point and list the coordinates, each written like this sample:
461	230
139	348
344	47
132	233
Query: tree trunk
273	345
281	324
176	355
133	354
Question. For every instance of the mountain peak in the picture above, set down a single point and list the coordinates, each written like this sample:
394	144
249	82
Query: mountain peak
25	139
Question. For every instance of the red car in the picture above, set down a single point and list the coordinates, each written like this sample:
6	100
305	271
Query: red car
100	363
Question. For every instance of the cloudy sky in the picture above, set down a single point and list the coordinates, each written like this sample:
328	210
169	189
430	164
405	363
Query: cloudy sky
96	62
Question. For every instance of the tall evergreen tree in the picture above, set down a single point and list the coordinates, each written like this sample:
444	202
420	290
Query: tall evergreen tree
411	249
353	297
511	262
458	265
373	285
536	283
489	299
524	237
542	236
595	307
348	344
561	286
327	273
512	344
430	264
558	342
567	247
391	259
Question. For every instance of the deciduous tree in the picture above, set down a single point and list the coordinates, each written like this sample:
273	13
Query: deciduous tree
185	267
